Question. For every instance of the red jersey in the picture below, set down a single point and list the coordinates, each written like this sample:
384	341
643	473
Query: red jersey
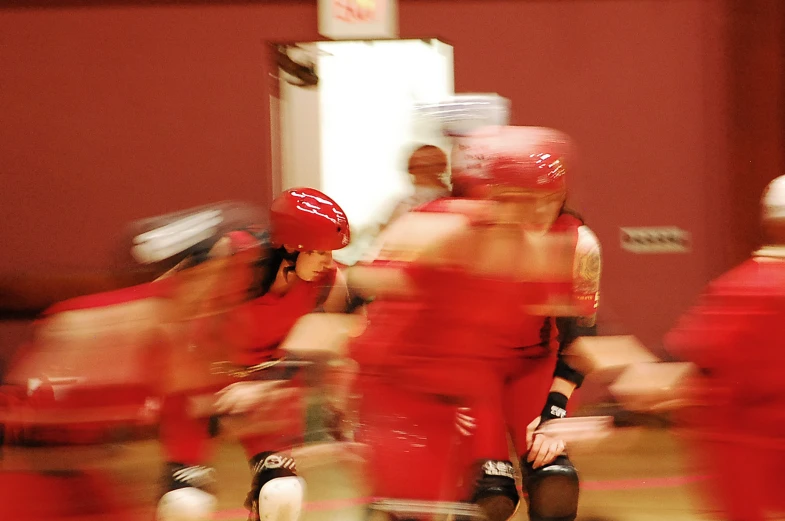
531	330
464	323
735	332
534	331
443	342
257	327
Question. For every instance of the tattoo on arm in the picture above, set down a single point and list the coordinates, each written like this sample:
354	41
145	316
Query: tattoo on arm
587	280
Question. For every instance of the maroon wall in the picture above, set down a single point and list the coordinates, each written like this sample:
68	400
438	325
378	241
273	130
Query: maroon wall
117	112
640	85
757	116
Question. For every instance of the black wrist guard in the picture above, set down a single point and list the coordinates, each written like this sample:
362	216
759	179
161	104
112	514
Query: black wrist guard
555	407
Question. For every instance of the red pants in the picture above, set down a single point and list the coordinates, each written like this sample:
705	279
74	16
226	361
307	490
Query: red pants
32	496
518	399
740	443
186	439
416	449
525	392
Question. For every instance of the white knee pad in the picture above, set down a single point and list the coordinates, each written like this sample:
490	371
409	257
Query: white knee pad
186	504
282	499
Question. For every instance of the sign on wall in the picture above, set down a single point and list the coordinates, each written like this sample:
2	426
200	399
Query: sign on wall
358	19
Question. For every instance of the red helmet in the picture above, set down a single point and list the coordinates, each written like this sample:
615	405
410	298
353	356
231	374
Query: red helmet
532	158
308	220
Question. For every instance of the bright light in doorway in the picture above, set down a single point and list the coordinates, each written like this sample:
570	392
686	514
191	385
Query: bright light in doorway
366	94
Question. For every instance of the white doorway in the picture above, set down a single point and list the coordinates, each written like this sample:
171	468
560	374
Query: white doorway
348	136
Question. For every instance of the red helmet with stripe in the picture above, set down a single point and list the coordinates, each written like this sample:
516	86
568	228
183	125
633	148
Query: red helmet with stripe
529	158
305	219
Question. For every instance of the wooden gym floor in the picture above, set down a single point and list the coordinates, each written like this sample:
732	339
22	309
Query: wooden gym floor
634	475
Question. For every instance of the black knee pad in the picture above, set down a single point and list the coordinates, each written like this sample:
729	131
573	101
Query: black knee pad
552	490
264	467
494	489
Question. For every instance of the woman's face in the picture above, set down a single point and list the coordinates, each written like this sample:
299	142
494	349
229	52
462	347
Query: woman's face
312	264
535	211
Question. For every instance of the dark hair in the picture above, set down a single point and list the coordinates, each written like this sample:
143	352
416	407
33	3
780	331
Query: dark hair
266	268
196	257
569	211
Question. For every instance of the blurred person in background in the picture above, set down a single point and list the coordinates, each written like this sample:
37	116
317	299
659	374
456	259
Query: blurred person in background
734	334
427	168
87	382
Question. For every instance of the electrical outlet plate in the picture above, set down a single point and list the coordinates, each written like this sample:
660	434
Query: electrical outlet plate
657	239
